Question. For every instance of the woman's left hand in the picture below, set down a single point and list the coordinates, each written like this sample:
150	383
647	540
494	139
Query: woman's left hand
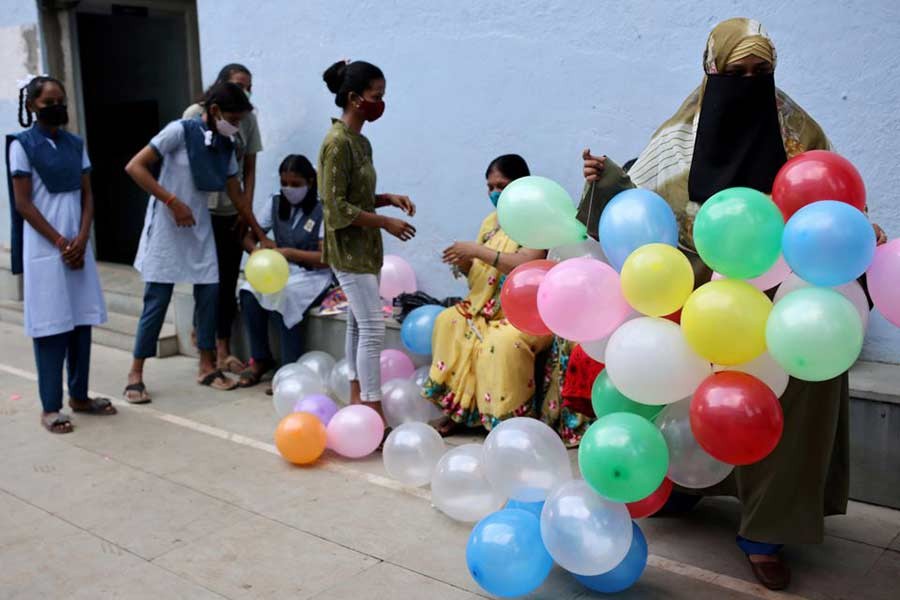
401	202
880	235
73	253
461	253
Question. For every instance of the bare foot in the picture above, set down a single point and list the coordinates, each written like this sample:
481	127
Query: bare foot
446	426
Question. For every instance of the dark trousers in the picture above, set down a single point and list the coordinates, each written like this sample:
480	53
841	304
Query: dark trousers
228	252
50	352
256	323
156	301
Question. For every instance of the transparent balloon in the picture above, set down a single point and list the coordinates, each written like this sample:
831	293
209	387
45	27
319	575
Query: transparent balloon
524	459
584	532
459	487
421	375
411	453
294	388
626	573
589	247
402	402
355	431
339	382
689	465
320	363
288	370
765	369
852	291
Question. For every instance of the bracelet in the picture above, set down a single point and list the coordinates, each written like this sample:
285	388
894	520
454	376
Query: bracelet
496	260
60	243
169	200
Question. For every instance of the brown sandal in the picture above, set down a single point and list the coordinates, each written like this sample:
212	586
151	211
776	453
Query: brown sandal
57	423
93	406
232	364
773	574
141	397
211	379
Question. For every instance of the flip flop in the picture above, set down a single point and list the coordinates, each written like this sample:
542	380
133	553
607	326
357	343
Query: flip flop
61	423
209	380
233	364
141	389
95	406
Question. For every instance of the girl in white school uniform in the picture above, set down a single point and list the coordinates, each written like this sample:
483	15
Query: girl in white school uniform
51	224
177	243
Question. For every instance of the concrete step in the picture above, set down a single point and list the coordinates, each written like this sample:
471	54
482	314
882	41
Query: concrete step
117	332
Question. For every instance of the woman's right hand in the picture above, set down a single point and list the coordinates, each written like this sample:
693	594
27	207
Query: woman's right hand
182	213
593	165
399	228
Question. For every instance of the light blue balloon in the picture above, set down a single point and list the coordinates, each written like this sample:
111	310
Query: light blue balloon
828	243
534	508
417	328
632	219
626	573
506	555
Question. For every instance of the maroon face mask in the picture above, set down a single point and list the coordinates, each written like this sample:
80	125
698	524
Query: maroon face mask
372	111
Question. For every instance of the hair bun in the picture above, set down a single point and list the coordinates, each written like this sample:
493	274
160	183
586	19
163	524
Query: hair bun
334	76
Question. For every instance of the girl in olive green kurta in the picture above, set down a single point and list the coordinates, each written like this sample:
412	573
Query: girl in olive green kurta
353	247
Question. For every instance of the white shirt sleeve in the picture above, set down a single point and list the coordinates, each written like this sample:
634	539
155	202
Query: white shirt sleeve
18	160
85	161
232	166
321	232
264	215
169	139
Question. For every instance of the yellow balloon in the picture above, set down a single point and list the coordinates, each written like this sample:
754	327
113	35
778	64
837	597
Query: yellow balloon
724	321
657	279
267	271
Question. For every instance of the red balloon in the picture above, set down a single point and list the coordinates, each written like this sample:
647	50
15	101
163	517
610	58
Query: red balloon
675	317
817	175
736	418
653	502
518	298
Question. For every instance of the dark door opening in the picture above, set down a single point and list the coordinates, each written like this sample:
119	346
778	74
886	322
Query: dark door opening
134	74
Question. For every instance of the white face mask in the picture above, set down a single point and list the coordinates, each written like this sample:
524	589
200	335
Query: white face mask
225	128
295	195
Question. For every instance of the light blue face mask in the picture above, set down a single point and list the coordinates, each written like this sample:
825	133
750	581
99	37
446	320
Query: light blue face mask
495	197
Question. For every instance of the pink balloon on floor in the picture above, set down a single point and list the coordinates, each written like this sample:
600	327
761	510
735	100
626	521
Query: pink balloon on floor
778	273
397	277
355	431
883	279
396	365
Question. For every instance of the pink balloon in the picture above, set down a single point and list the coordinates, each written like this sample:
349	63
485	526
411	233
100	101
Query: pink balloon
355	431
883	279
581	299
396	365
397	277
775	275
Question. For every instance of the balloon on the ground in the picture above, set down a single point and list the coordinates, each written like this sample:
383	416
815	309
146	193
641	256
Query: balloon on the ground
339	381
589	248
652	503
411	452
581	299
737	232
626	573
288	370
534	508
421	375
320	363
519	296
632	219
657	279
649	361
814	334
829	243
537	212
724	321
294	388
736	418
397	277
505	554
817	175
883	278
319	405
300	438
623	457
606	399
764	368
396	365
778	273
524	459
355	431
402	402
267	271
459	487
584	532
852	291
418	327
690	466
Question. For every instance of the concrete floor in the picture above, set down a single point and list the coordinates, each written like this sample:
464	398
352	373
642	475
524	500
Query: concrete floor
186	498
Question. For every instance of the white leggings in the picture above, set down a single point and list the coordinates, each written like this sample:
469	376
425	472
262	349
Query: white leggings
365	331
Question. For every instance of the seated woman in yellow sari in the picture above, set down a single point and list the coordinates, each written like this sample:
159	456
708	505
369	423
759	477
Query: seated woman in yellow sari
484	368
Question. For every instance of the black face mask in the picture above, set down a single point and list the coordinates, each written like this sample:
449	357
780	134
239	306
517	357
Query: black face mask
738	140
54	115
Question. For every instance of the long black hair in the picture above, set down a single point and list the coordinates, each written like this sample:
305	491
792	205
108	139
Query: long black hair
30	93
229	97
344	77
299	165
511	166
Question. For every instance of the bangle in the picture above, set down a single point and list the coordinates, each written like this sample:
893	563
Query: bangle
169	199
496	260
60	243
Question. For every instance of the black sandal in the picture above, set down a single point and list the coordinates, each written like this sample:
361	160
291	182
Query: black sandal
95	406
61	423
217	375
141	389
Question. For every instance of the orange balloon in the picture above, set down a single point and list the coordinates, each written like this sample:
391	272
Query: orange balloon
300	437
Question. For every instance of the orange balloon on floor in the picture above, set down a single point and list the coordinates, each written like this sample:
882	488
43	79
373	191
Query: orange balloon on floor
300	437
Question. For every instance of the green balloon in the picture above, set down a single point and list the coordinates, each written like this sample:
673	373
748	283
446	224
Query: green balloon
624	457
606	399
814	333
738	233
538	213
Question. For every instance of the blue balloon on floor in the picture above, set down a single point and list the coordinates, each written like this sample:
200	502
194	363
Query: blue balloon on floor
506	555
626	573
417	328
534	508
634	218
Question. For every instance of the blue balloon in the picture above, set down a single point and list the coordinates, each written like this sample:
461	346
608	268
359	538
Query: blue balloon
417	328
534	508
632	219
828	243
506	555
626	573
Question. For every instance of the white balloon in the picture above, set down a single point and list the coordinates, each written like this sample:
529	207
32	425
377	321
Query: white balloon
649	361
293	388
339	382
320	363
524	459
588	247
765	369
596	349
690	465
288	370
851	290
402	402
411	453
421	375
459	488
584	532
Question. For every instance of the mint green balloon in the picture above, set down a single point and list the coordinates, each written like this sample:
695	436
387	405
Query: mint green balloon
814	333
738	233
606	399
624	457
538	213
